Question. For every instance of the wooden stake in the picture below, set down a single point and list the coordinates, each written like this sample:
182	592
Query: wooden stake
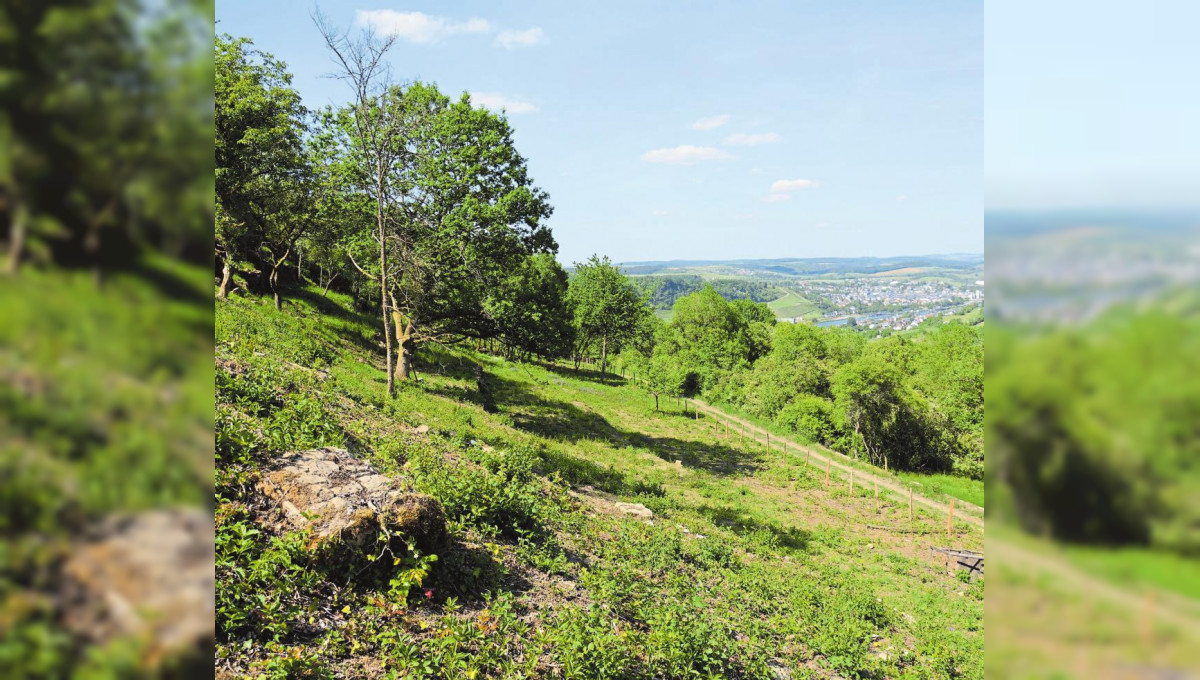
1148	620
950	519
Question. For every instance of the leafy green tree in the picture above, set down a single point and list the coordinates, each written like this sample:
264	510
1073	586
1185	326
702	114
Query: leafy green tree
375	136
608	308
529	308
467	215
751	311
713	331
91	99
260	164
811	417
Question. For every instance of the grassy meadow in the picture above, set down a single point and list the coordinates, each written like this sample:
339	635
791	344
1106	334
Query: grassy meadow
752	565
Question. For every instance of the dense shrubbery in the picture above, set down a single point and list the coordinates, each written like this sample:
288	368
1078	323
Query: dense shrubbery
908	404
1094	431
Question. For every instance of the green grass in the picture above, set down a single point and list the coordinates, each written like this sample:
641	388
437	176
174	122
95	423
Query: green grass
750	562
945	486
936	486
792	305
105	406
1139	567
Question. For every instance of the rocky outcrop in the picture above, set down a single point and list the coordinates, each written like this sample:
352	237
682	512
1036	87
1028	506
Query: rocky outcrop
340	498
147	576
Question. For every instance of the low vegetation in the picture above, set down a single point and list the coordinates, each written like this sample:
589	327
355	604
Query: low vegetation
748	566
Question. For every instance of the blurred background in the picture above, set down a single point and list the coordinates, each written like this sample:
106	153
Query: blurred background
106	392
1093	340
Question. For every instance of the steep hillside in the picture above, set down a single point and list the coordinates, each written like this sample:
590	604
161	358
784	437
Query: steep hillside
590	536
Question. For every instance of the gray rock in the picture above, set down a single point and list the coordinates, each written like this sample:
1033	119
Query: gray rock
148	576
636	510
338	497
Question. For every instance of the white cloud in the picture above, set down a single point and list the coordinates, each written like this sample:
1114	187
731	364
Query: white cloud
685	154
661	213
711	122
902	197
419	27
743	139
755	171
822	225
776	198
496	102
782	186
509	39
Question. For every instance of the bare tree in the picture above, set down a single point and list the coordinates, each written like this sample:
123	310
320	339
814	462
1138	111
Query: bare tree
361	65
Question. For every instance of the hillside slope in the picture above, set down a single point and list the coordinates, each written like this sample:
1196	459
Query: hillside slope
752	565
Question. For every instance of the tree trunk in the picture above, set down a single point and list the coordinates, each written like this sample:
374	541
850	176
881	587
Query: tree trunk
300	267
383	289
604	354
328	284
404	342
275	286
656	403
16	241
226	273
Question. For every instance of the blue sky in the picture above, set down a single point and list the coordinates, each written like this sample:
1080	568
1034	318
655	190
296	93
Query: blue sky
702	131
1092	104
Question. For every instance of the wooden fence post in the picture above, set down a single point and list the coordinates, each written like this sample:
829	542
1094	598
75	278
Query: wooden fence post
1147	620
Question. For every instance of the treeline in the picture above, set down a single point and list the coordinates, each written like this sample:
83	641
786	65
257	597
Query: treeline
105	117
1094	432
662	291
415	202
899	403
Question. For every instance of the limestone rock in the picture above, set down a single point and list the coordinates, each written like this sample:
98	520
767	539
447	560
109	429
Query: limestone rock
148	575
338	497
636	510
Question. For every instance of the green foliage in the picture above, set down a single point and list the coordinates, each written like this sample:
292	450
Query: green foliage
662	291
535	581
530	311
608	310
809	416
1091	431
104	117
262	172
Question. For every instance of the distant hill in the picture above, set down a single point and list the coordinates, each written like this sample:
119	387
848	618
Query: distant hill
804	267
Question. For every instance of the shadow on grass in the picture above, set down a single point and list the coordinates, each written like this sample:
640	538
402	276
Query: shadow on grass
582	373
575	422
745	526
349	318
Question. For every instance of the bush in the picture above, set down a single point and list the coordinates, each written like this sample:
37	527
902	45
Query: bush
811	417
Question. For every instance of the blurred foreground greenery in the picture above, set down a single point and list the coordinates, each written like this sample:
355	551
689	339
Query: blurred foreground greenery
106	213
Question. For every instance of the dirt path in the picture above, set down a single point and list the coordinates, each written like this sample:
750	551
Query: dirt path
1166	607
972	515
